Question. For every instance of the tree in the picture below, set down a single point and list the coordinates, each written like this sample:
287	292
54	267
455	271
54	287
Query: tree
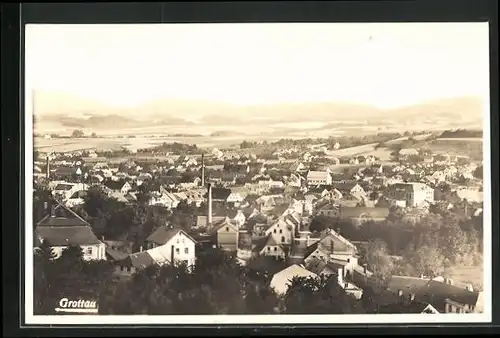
427	260
320	223
379	261
318	296
77	134
94	135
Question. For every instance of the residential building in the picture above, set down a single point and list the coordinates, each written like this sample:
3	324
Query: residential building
319	178
227	235
268	246
281	280
410	194
61	232
169	246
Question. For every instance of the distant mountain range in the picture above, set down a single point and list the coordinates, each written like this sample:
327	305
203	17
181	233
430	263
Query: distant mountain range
68	111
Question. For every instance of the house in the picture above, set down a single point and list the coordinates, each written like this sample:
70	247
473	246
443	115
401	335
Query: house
61	232
281	280
237	195
227	235
350	188
442	294
268	246
169	246
329	210
410	194
202	221
133	263
220	194
118	186
295	180
164	198
332	246
283	231
319	178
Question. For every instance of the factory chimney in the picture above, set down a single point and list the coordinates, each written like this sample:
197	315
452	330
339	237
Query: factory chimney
202	170
48	167
209	216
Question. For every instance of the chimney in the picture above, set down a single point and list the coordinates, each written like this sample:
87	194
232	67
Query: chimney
48	167
102	238
202	170
209	216
340	275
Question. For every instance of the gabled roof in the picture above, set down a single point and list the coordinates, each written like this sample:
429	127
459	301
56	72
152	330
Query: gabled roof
203	220
225	223
220	193
406	306
116	254
139	260
114	185
164	234
260	243
73	220
436	293
65	235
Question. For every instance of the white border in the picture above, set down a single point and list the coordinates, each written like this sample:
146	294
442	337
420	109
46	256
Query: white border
31	319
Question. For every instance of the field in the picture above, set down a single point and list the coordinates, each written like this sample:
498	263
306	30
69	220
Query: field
468	274
472	147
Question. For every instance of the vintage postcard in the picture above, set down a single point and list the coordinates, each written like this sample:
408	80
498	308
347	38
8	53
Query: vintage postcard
257	173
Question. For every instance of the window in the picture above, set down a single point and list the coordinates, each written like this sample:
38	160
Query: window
282	239
227	229
281	231
177	250
275	249
89	251
268	249
186	250
274	230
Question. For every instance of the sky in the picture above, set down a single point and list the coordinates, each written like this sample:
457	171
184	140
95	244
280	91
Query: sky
384	65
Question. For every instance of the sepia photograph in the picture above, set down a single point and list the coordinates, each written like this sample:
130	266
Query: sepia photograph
257	173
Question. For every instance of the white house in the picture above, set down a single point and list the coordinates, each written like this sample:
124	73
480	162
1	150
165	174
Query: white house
282	231
319	178
63	232
281	280
171	246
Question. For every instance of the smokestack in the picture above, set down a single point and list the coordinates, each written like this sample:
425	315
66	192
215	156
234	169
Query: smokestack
172	255
209	216
202	170
48	167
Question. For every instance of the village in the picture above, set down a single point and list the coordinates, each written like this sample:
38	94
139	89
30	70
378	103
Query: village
314	213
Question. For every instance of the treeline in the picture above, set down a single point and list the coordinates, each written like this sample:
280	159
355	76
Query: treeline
462	133
216	285
176	148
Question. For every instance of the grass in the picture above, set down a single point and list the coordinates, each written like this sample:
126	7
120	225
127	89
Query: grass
468	275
